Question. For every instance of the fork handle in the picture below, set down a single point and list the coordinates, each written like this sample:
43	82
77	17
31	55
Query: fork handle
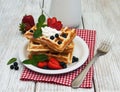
79	79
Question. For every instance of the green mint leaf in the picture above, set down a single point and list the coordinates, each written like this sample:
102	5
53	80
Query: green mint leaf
44	25
40	57
35	59
27	61
41	19
39	26
37	33
30	61
11	61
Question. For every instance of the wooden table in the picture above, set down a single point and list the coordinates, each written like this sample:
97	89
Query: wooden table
101	15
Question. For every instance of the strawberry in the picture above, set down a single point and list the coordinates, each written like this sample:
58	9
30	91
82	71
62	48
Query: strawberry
54	64
29	20
42	64
53	23
49	21
27	23
58	25
54	20
27	26
53	60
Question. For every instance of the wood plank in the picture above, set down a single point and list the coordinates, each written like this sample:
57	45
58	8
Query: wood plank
11	13
103	16
46	87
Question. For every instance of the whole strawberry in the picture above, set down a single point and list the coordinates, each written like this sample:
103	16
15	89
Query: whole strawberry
27	23
29	20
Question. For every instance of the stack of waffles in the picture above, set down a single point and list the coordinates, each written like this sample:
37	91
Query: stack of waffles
60	46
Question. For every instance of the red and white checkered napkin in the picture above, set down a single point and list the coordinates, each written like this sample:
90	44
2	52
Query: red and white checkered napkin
66	79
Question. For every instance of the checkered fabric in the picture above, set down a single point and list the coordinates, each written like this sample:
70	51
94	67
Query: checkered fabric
89	37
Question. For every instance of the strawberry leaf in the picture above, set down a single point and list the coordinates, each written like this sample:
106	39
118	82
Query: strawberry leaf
22	27
37	33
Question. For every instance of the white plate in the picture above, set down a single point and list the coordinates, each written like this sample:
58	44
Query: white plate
80	50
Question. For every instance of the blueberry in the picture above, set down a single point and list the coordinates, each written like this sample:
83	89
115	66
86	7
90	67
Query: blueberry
15	64
12	67
64	35
51	37
16	68
31	31
74	59
63	64
56	35
59	42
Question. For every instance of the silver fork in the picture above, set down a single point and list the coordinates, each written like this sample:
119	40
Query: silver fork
102	50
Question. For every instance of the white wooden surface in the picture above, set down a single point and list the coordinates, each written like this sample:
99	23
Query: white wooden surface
101	15
104	17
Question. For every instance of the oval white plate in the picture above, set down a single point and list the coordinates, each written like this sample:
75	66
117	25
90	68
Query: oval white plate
80	50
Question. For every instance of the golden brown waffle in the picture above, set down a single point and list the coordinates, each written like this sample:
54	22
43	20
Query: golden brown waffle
29	35
62	57
65	56
37	47
40	47
60	43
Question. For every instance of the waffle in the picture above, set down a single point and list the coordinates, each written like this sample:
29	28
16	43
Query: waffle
29	35
37	47
62	57
60	43
65	56
40	47
44	45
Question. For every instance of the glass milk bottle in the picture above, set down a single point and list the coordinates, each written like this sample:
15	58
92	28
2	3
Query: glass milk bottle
67	11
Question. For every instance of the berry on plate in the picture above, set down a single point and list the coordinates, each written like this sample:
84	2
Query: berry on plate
42	64
54	64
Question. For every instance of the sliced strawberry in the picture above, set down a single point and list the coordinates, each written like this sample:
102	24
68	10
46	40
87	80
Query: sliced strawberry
58	25
53	60
54	64
53	23
54	20
42	64
49	21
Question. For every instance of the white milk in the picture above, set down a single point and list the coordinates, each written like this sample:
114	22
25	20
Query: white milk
68	11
